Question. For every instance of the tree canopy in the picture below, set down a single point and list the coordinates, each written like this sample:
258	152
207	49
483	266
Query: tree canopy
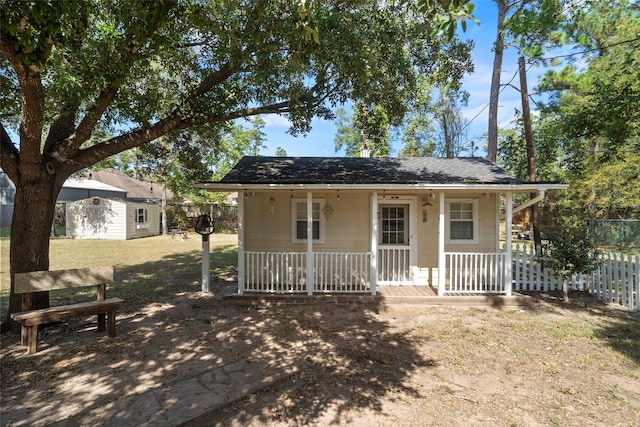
83	80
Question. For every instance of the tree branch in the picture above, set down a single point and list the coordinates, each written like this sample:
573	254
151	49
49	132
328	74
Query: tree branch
63	123
68	147
139	137
32	96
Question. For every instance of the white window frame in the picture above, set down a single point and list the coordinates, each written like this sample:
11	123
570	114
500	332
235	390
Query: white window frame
474	219
405	232
144	223
294	219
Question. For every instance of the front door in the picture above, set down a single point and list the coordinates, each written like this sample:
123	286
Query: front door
394	244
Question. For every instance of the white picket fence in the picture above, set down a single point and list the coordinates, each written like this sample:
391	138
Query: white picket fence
617	279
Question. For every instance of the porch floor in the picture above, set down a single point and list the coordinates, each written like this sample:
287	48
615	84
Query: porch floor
389	298
413	297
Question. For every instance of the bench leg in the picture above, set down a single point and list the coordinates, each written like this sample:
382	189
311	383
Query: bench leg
24	335
32	339
101	322
111	323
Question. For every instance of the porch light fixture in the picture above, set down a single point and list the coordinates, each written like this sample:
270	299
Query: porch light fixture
272	202
327	210
204	227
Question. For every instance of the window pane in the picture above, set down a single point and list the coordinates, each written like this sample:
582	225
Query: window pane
301	230
301	220
462	230
301	210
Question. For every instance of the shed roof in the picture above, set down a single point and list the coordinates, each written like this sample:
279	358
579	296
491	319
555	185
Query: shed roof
90	184
366	170
253	172
136	189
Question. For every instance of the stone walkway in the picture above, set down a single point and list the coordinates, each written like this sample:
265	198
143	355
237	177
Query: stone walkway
169	405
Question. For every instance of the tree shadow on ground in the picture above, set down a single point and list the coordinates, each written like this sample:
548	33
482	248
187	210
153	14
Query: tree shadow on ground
169	332
618	327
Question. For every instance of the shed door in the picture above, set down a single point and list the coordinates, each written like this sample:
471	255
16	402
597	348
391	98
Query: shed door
394	250
95	222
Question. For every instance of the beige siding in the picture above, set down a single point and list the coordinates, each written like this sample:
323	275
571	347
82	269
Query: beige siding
116	230
95	218
152	224
427	234
109	219
348	228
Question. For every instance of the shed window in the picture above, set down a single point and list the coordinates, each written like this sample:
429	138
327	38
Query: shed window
299	223
141	214
463	222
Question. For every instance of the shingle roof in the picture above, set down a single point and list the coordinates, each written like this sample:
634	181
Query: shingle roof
135	188
366	170
90	184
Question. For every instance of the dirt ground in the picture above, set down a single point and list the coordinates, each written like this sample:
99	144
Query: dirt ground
554	364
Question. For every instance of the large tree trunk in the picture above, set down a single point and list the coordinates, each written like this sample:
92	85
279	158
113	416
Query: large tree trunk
34	209
492	132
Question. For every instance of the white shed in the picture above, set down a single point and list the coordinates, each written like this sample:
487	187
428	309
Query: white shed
112	219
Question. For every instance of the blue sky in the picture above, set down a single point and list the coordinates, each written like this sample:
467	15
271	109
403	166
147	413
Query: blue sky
319	142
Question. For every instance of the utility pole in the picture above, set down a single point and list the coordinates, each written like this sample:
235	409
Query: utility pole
531	158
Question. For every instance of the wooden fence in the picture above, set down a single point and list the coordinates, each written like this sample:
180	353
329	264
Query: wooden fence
616	280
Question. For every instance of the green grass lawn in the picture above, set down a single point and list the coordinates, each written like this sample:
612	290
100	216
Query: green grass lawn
145	269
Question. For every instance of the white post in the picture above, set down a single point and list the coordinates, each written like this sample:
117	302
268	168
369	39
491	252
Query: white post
374	243
205	264
441	258
310	267
241	195
508	273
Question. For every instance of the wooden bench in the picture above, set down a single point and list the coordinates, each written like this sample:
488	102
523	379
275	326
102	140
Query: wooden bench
40	281
181	232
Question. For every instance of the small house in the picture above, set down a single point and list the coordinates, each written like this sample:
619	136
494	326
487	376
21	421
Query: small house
318	225
112	219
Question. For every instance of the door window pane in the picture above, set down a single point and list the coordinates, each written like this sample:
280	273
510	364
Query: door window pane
393	225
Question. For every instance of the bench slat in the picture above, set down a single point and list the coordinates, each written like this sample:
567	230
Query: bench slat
63	312
40	281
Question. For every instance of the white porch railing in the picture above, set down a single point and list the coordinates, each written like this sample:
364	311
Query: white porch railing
275	272
286	272
342	272
475	273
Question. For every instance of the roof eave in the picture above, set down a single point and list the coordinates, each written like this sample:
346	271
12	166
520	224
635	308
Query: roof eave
495	187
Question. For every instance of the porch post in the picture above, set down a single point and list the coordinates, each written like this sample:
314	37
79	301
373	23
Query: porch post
441	256
374	243
508	273
240	242
310	267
